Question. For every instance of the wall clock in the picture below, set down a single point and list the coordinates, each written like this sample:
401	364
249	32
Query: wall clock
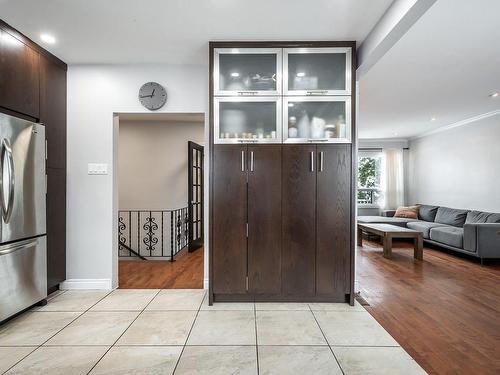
152	95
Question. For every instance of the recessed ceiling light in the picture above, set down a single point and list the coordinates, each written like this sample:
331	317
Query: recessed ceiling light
494	95
235	74
290	104
301	74
46	38
433	119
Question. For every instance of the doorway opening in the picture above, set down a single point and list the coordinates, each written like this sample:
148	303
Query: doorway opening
160	200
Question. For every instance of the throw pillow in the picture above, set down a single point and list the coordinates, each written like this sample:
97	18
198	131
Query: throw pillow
407	212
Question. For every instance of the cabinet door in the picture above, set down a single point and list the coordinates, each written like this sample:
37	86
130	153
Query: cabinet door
247	120
56	227
333	221
299	218
229	219
53	111
317	71
264	219
325	119
247	71
19	76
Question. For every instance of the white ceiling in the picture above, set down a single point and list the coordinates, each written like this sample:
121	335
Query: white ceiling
445	67
177	31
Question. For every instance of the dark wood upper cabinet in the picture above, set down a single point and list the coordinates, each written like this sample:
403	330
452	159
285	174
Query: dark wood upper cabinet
333	230
229	249
53	110
264	219
299	219
19	76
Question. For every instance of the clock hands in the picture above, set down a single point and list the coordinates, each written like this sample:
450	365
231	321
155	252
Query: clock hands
148	96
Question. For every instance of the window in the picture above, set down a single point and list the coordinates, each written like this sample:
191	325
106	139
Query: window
369	178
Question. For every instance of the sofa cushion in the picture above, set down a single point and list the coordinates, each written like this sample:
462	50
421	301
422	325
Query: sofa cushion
476	217
493	218
399	221
423	226
427	213
451	216
410	212
451	236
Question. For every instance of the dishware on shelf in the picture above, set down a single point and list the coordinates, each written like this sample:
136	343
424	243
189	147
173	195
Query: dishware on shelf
233	120
341	127
293	132
330	131
317	127
304	125
305	83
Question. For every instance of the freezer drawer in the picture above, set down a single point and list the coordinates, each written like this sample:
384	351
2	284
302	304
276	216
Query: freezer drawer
23	275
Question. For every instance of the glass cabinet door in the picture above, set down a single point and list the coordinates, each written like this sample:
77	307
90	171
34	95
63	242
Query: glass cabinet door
317	71
247	120
317	119
247	71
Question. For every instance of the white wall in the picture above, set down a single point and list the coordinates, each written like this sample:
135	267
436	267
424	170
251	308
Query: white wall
458	167
95	93
153	163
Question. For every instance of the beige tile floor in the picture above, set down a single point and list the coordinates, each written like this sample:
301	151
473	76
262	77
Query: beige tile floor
176	332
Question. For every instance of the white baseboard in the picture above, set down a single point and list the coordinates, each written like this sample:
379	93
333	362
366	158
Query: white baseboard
205	283
86	284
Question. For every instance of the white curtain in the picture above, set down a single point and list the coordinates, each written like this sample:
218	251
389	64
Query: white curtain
393	178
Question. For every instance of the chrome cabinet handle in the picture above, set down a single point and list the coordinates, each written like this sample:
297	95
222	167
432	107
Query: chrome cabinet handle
247	92
251	161
317	92
242	160
312	161
315	140
7	150
321	157
248	140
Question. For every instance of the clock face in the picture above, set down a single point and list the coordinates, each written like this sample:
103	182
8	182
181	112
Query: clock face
152	95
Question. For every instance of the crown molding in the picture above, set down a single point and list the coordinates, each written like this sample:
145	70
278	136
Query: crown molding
457	124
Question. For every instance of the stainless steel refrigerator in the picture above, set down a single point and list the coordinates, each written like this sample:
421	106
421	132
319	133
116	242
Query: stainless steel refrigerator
23	244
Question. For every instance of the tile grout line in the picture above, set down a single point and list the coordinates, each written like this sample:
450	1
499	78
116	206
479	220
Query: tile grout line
126	329
43	343
256	337
189	333
324	336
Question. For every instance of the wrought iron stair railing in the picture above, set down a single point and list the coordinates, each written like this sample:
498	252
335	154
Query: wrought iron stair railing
152	234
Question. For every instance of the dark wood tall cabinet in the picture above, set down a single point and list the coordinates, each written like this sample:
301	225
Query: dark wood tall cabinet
33	86
282	174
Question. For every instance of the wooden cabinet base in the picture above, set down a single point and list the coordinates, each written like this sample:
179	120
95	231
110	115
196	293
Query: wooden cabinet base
281	298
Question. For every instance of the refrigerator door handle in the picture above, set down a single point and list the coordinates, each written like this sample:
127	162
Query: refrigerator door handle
12	247
7	150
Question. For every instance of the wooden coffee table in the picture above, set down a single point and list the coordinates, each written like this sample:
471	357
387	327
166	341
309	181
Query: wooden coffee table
387	232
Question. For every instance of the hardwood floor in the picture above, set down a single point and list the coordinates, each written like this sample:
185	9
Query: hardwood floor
444	310
185	273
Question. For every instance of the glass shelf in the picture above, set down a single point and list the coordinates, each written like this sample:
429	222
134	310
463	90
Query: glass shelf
247	71
317	119
317	71
247	120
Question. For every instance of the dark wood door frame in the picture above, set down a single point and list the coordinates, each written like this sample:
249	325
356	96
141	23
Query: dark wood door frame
195	196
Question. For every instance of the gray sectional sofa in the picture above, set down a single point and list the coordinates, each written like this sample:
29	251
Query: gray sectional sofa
475	233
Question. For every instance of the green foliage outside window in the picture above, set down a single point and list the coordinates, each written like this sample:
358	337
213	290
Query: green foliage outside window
369	169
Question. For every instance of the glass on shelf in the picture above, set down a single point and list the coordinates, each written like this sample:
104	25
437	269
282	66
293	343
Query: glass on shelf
317	72
322	120
247	72
247	121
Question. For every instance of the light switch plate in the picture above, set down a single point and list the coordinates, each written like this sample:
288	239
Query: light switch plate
97	168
